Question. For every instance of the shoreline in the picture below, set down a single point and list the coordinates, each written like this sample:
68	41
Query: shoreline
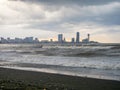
66	74
32	79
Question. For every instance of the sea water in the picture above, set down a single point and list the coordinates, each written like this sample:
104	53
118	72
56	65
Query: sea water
101	62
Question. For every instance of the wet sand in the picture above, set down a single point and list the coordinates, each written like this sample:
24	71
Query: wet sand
29	80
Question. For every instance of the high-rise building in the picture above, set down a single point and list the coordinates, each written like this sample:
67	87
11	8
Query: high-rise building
88	37
51	40
73	40
64	40
3	40
77	37
60	37
28	40
36	40
86	40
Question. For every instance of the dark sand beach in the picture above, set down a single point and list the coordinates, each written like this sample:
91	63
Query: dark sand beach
29	80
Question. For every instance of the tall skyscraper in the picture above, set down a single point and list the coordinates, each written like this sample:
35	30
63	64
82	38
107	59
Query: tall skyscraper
77	37
73	40
64	40
60	37
88	37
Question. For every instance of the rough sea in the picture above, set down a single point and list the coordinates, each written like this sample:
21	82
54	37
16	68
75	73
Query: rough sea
101	62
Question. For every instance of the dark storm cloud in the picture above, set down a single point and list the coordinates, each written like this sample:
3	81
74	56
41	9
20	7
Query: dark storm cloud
67	2
111	18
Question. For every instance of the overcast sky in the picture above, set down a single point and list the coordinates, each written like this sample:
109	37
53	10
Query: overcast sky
47	18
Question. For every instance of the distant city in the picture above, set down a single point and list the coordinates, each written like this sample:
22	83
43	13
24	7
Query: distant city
61	40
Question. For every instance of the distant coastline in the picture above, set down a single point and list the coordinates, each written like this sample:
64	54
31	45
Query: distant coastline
69	44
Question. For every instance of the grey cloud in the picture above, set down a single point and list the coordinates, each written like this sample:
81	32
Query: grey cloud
74	13
53	27
67	2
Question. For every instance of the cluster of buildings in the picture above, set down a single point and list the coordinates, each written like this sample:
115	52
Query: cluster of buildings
20	40
74	40
61	40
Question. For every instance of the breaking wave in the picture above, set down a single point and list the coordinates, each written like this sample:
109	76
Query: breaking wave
82	51
79	52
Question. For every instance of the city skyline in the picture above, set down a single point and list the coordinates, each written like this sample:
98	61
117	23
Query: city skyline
46	19
60	39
